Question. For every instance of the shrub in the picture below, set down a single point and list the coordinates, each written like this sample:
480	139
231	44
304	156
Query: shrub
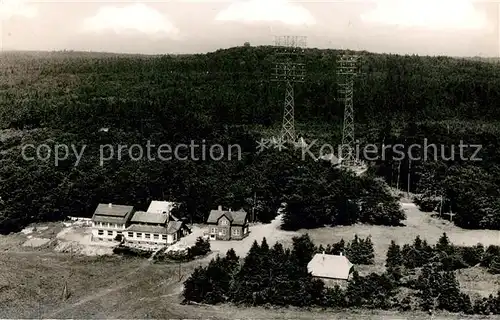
131	252
201	247
360	251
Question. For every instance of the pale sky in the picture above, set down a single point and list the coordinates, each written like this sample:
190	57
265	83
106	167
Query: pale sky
434	27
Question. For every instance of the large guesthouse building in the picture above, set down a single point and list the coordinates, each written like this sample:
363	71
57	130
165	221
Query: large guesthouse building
109	221
149	229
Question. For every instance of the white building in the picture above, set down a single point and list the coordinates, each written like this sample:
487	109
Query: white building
155	228
332	269
161	206
110	220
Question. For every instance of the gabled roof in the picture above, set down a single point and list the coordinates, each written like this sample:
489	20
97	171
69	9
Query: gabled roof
149	217
160	206
113	213
147	229
330	266
172	227
237	218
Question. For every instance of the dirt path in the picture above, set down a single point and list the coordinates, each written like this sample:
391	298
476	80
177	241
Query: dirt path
271	231
101	293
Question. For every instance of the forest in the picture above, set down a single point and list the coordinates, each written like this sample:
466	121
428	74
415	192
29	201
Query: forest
226	97
280	277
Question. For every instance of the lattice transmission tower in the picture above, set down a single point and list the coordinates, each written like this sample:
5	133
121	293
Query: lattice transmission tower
289	69
348	67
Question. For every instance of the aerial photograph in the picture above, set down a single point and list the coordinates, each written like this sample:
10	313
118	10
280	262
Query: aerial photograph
250	159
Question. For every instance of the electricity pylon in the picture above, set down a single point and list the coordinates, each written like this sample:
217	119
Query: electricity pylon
289	69
347	70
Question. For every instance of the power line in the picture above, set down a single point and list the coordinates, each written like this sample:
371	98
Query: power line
289	69
347	70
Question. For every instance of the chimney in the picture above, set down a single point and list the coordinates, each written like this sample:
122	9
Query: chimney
341	253
220	208
229	209
110	205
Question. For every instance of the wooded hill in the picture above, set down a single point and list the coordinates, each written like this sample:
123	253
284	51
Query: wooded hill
227	97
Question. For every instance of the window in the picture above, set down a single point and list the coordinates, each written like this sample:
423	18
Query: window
164	237
214	230
223	222
110	233
236	232
147	235
155	236
100	232
130	234
139	235
224	231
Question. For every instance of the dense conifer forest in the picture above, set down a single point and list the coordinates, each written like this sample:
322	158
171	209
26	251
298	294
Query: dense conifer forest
226	97
417	277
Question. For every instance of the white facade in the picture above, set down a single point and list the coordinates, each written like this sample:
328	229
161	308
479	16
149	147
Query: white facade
103	231
136	238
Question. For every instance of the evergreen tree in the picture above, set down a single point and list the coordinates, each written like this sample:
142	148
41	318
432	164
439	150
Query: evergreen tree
444	245
232	260
196	286
450	298
394	257
360	251
249	277
303	249
428	285
334	297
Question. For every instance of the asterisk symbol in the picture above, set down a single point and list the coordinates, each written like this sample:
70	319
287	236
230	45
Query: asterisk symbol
280	144
262	145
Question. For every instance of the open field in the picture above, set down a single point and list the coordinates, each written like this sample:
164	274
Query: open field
31	285
475	281
32	279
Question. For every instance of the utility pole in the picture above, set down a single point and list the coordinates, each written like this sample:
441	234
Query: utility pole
289	69
409	176
253	207
39	290
399	172
451	216
347	70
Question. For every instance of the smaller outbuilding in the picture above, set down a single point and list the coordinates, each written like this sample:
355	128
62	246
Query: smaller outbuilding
332	269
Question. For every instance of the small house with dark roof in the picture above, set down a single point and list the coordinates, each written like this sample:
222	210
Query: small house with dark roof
227	225
110	220
155	227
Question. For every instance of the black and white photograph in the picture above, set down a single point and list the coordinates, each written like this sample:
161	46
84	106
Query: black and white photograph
250	159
